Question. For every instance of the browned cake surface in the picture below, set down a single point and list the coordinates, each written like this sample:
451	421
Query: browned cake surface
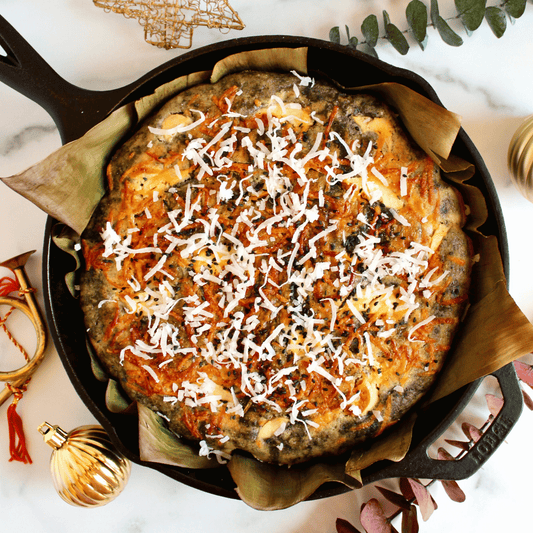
275	268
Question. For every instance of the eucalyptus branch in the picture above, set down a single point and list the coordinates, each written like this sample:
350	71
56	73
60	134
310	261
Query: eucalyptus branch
470	13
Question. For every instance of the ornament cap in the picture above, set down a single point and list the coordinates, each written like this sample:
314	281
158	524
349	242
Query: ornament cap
53	435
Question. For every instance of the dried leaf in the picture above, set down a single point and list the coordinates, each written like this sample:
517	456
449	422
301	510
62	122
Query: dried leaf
96	366
115	400
265	59
395	498
66	239
453	490
423	499
524	372
494	403
471	431
410	520
343	526
266	486
74	181
373	518
158	444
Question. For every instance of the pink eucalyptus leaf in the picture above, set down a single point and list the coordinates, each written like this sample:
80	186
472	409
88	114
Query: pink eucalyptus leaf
471	431
373	518
445	455
410	520
406	489
527	400
461	444
343	526
494	403
394	498
453	490
524	372
423	499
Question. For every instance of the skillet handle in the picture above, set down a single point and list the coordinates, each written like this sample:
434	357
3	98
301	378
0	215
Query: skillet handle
73	109
420	465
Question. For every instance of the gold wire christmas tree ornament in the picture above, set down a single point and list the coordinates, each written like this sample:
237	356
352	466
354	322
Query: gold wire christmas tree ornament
87	469
520	158
170	23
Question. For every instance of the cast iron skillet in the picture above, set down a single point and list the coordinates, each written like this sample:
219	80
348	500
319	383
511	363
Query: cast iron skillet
75	110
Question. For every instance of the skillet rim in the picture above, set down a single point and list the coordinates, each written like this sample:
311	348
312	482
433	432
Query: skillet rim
67	349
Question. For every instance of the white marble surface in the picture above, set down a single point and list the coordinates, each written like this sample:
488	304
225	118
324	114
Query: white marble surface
487	81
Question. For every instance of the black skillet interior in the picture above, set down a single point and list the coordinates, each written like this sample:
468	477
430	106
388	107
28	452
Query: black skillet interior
347	67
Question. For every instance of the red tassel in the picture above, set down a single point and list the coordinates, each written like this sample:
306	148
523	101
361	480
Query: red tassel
17	441
8	285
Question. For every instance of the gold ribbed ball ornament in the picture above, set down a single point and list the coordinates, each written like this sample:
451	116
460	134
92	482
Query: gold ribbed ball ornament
520	158
87	469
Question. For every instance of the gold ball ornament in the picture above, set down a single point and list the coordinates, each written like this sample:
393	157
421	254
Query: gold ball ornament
87	469
520	158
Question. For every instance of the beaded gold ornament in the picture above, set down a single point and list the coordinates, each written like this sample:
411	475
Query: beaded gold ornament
170	23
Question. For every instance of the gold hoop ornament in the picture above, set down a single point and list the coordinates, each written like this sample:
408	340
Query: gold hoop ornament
28	305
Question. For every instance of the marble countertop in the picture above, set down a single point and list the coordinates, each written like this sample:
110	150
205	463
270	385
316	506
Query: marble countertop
487	81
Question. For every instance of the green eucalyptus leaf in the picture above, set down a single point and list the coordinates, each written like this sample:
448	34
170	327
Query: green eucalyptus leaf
353	42
471	12
371	51
514	8
417	18
434	12
370	30
395	36
496	20
447	34
335	35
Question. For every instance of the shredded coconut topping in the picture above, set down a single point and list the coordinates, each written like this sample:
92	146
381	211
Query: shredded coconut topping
264	242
